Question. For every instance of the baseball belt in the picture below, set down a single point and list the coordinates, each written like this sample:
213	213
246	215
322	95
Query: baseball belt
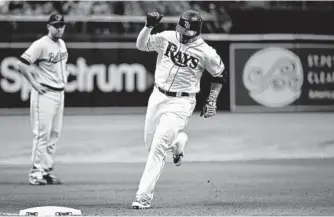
174	94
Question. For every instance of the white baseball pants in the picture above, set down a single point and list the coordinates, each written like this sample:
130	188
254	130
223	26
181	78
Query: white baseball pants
46	112
165	118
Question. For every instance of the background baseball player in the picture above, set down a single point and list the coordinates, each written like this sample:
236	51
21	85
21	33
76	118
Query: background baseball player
44	65
182	57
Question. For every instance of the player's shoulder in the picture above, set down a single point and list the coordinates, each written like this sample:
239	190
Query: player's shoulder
38	43
169	33
61	41
42	41
207	47
165	34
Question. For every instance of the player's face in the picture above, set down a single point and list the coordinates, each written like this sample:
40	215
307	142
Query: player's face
57	29
185	34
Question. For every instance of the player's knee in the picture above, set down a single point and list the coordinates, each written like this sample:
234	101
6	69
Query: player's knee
51	148
162	141
55	135
159	151
158	148
41	135
148	142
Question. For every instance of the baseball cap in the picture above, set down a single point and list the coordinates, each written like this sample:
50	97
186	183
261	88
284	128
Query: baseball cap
56	18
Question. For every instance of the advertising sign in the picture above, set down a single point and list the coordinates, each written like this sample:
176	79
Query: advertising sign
281	77
100	74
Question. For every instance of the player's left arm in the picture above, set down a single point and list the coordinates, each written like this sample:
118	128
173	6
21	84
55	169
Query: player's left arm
216	68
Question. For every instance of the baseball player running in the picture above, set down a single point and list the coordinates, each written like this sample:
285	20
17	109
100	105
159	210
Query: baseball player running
43	64
182	57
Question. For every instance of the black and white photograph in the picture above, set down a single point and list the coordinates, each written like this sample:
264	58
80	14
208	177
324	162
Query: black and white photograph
166	108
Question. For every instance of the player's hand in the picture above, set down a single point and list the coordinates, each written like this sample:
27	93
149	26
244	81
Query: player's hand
153	18
209	109
39	88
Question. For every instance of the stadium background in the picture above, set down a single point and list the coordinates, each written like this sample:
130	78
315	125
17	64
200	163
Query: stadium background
250	159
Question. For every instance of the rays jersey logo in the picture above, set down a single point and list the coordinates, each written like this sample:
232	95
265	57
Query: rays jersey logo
179	58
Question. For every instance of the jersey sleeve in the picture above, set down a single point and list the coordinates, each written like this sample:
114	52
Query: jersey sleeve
33	53
156	42
214	64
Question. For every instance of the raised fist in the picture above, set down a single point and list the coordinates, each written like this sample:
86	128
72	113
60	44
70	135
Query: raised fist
153	18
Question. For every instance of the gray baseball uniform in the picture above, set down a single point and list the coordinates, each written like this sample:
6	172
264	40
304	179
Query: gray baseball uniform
49	61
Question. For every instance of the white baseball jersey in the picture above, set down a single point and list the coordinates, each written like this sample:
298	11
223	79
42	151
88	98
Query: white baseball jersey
49	59
180	66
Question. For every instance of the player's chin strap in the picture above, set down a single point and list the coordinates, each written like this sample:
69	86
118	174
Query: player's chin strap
186	39
210	107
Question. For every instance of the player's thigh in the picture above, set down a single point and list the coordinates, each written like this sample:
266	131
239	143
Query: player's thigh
170	124
175	118
43	110
153	114
57	123
33	108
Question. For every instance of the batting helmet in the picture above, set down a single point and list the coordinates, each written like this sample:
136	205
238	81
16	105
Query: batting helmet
189	26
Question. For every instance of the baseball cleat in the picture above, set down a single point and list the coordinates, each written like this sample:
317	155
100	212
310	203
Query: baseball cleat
141	205
138	205
177	159
37	181
36	178
52	179
182	139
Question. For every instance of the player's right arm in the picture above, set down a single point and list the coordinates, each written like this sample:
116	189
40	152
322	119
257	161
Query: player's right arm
25	62
146	41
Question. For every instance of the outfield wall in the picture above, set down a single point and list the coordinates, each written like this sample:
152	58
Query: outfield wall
268	73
